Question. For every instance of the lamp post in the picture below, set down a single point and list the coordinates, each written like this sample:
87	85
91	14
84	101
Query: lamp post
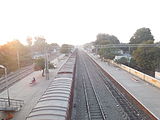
18	61
5	72
46	63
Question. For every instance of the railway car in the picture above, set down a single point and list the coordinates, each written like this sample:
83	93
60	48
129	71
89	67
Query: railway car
56	102
68	68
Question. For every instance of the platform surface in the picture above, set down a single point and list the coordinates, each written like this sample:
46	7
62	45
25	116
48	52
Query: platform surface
30	93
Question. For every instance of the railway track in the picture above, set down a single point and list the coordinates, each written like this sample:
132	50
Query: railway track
103	100
100	104
132	111
14	77
94	108
103	93
130	104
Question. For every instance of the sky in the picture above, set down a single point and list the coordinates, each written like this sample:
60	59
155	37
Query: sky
76	21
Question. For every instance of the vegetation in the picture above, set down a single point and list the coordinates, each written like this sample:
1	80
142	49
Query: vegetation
104	39
9	54
29	41
122	60
141	35
40	65
13	51
143	59
40	44
66	48
147	59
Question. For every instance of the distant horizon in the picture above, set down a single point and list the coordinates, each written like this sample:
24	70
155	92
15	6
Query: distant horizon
25	42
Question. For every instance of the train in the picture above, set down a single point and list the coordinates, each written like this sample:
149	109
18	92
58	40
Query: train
56	102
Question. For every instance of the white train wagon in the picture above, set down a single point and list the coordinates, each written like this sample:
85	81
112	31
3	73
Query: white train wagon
55	102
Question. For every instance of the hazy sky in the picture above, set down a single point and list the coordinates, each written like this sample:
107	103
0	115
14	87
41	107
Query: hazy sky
77	21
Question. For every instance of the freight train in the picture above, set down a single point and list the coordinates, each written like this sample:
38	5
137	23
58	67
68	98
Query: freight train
56	102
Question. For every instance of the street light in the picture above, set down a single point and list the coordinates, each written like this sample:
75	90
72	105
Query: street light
5	72
46	64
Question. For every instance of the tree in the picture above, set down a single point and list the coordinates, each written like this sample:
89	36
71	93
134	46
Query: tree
53	47
8	55
122	60
147	59
40	65
108	53
40	44
104	39
29	41
141	35
66	48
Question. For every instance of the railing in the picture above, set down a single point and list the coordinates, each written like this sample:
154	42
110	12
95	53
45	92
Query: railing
15	105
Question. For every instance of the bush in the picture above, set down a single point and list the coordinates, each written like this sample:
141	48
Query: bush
122	60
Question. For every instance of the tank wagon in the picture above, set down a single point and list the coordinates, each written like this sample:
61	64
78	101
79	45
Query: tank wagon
56	102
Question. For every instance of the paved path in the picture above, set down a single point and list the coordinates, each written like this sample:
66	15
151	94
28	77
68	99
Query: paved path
147	94
22	90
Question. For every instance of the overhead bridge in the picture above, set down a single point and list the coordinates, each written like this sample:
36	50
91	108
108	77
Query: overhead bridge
126	45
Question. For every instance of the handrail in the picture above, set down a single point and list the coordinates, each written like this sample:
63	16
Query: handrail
14	104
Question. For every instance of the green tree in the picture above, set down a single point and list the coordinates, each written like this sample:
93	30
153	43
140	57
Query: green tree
147	59
141	35
66	48
122	60
104	39
39	64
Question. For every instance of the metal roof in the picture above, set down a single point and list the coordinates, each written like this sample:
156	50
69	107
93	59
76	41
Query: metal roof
54	102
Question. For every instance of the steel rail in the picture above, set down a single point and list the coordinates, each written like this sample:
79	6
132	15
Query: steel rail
10	76
120	109
119	98
96	96
86	99
14	78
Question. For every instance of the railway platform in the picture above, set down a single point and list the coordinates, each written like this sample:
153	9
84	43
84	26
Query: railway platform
29	93
144	92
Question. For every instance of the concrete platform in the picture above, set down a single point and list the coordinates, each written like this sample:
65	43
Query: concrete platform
30	93
146	93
